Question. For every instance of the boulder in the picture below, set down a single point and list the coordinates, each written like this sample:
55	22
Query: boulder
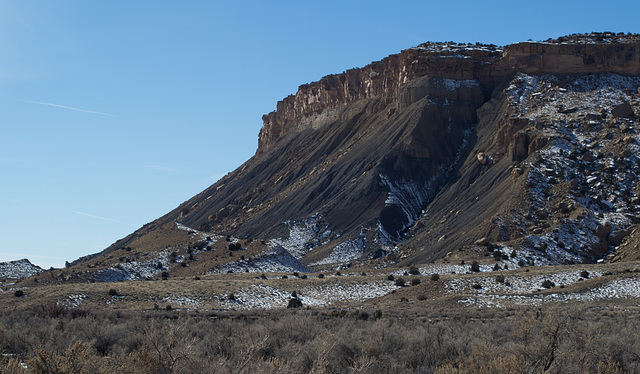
617	236
482	158
603	231
587	156
623	110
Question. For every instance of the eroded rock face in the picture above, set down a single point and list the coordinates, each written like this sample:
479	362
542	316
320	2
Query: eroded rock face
488	65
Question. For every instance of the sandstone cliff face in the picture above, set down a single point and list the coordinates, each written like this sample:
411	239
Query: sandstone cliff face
489	65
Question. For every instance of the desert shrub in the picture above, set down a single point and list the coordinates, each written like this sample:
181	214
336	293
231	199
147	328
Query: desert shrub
500	278
400	282
18	293
294	302
584	274
558	340
415	281
391	277
547	283
113	292
321	276
475	267
435	277
165	275
477	286
414	270
520	263
231	297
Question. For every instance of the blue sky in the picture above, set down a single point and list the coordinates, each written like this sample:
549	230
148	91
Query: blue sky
112	113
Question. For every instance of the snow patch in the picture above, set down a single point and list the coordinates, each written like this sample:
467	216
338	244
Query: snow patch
346	251
274	259
260	296
19	269
303	236
135	269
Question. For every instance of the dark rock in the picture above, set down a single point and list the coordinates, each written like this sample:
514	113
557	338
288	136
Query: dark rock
294	303
603	231
482	241
616	237
520	146
623	110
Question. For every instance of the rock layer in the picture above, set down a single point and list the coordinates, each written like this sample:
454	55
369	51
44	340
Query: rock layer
489	65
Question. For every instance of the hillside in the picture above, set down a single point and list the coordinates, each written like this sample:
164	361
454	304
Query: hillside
444	151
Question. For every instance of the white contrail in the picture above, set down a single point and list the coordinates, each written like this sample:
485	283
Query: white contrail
27	255
68	107
104	218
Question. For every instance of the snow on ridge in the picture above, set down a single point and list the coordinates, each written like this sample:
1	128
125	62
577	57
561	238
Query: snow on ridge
18	269
135	269
348	250
337	292
275	259
513	284
618	289
150	267
203	235
454	84
303	236
260	296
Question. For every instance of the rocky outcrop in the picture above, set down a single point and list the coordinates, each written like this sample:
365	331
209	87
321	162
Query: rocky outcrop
489	65
18	269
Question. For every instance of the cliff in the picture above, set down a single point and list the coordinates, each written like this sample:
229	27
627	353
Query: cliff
489	65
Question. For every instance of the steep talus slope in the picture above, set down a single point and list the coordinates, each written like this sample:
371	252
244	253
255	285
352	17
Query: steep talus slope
438	148
353	171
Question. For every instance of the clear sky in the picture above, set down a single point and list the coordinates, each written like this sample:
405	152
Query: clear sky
112	113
